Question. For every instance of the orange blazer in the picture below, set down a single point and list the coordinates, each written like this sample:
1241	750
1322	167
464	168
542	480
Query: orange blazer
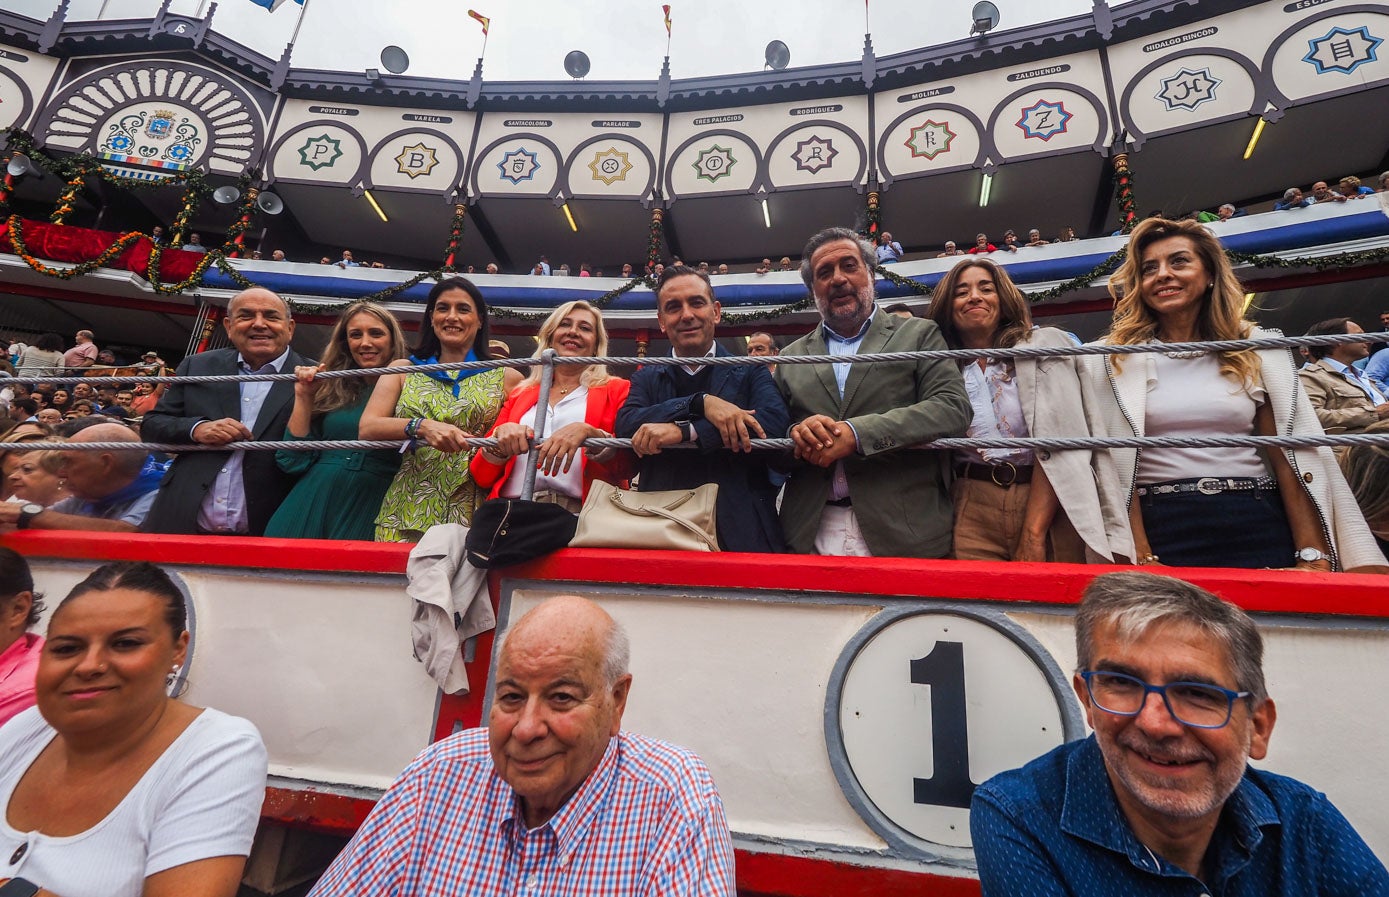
603	404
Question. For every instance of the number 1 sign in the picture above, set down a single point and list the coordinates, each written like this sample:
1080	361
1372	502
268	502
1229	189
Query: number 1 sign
924	705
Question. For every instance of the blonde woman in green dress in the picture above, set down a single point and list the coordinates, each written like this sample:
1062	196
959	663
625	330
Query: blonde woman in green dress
438	412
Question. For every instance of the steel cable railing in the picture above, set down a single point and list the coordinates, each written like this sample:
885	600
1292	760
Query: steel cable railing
549	360
1279	342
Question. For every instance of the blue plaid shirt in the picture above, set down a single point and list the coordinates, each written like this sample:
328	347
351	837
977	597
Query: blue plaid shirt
647	821
1054	828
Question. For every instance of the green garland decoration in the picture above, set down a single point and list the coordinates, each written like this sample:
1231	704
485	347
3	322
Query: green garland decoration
915	286
751	317
1103	269
1323	263
69	167
1123	193
455	238
63	206
872	219
1075	283
654	237
244	211
600	303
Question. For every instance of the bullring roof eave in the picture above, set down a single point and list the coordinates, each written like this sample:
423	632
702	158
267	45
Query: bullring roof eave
1022	45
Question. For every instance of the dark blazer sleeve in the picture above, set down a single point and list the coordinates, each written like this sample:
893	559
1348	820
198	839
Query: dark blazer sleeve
751	388
172	420
645	404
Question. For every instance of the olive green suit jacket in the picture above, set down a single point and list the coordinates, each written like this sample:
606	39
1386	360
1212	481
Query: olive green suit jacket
901	498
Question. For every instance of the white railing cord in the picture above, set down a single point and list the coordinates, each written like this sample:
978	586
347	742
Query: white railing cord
549	359
542	408
947	443
1279	342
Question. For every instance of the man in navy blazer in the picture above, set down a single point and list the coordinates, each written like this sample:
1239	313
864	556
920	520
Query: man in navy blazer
719	408
232	492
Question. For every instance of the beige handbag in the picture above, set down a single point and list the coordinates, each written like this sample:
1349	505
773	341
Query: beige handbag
679	520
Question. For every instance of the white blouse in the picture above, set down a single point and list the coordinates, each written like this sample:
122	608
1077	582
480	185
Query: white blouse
569	410
993	393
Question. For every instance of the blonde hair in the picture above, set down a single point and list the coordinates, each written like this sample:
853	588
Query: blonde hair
1222	311
594	374
340	392
50	461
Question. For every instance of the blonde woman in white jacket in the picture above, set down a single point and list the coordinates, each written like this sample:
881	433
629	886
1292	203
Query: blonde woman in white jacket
1222	507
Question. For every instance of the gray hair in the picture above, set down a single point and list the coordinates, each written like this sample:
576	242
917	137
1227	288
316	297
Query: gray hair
1228	205
617	654
1135	602
1291	192
833	235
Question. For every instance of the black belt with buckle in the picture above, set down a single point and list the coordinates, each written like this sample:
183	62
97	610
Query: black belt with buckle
1210	486
845	502
1005	474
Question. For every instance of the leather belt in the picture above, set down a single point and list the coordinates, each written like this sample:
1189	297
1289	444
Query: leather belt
568	502
1210	486
1004	474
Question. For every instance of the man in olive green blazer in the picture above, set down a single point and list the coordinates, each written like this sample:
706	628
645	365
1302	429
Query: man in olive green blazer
854	490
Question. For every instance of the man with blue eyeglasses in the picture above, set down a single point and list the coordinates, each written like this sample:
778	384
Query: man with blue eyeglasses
1161	799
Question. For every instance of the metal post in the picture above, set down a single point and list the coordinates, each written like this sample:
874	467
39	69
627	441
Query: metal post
542	408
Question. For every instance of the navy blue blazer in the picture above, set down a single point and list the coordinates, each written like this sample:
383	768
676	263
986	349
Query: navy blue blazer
746	510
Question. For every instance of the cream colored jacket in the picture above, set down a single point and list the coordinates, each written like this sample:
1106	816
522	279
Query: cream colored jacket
1059	401
1123	398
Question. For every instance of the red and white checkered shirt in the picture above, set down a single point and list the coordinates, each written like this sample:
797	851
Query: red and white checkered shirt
647	821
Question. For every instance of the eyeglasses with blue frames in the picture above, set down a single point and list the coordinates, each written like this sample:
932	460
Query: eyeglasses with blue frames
1196	704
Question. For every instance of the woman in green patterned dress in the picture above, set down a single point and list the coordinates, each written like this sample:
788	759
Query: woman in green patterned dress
339	492
437	412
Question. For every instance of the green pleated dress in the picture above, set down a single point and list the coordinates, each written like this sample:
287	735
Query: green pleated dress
339	492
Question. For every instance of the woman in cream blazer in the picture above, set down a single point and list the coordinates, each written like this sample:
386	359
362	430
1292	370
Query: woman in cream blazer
1010	505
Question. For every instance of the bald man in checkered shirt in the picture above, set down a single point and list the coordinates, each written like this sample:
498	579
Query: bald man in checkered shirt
551	798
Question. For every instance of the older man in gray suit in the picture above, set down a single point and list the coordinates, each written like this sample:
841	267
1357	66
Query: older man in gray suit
855	491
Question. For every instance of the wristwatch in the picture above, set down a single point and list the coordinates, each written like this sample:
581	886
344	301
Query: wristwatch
1302	554
18	887
26	513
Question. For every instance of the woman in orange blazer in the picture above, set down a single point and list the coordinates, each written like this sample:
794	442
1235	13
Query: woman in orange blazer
584	402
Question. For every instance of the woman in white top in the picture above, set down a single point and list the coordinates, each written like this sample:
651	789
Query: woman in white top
110	787
43	359
1016	504
1215	507
584	401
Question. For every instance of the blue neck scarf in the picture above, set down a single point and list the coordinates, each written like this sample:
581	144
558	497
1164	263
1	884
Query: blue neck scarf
452	378
145	482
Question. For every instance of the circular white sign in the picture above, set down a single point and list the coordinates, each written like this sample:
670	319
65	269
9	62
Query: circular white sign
934	703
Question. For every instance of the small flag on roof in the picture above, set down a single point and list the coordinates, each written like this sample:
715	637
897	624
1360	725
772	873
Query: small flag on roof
666	9
481	20
273	5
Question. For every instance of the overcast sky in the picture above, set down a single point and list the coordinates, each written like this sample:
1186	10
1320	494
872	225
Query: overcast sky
624	39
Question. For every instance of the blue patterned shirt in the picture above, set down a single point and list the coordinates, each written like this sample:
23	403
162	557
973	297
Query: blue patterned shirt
647	821
1055	828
